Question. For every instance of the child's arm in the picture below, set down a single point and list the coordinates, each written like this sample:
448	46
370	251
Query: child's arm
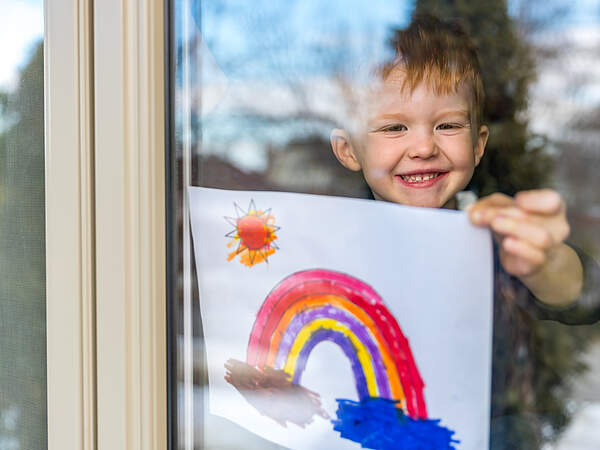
531	229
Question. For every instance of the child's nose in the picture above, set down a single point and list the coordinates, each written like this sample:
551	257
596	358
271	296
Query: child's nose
423	146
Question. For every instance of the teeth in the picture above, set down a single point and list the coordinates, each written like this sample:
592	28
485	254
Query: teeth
419	178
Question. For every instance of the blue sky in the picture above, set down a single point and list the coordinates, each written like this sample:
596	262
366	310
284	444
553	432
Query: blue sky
21	25
291	33
21	22
583	12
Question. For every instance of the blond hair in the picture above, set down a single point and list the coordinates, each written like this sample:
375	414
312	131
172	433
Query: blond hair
441	54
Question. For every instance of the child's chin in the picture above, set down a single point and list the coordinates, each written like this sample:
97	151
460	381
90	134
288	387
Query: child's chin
425	203
434	202
422	202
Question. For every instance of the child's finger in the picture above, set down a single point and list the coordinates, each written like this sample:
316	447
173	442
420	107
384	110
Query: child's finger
496	199
524	230
475	210
482	211
516	265
540	201
483	216
526	258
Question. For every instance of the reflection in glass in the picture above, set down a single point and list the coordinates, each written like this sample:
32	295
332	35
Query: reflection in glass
259	86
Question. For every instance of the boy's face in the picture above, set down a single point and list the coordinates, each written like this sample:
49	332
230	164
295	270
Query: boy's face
419	149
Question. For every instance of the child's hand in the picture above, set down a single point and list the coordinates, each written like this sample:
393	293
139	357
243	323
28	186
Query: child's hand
530	228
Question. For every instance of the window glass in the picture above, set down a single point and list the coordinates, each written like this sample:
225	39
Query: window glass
256	89
22	254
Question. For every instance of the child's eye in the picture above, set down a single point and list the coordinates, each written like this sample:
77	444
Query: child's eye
448	126
451	126
396	128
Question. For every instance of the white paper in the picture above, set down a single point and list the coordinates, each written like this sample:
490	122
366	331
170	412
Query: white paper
431	268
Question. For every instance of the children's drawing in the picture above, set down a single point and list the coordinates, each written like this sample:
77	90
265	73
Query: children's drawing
253	235
314	306
338	356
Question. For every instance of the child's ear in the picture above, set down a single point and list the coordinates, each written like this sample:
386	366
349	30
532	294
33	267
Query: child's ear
482	138
343	149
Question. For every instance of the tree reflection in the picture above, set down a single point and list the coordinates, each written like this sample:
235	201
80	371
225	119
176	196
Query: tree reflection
281	71
22	261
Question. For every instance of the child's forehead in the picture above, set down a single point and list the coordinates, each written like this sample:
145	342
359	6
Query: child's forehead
394	91
401	82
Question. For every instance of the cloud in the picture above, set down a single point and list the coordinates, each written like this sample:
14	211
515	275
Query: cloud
21	25
568	84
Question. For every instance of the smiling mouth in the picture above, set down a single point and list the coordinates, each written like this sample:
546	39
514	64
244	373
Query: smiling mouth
424	179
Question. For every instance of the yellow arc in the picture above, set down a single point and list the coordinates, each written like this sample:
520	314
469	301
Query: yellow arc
315	301
330	324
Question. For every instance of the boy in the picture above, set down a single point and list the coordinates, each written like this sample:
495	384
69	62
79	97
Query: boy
423	139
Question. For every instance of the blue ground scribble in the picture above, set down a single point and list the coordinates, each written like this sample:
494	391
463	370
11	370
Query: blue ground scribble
377	423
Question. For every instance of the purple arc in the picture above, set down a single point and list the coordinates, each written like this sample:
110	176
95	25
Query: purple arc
345	344
341	316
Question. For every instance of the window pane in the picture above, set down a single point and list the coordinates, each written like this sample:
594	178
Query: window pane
257	88
22	254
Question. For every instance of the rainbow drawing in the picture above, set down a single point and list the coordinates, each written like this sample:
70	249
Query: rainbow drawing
318	305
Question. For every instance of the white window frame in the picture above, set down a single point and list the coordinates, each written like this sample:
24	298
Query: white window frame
105	224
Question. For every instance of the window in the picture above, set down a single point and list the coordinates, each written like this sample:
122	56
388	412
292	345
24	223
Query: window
22	250
255	91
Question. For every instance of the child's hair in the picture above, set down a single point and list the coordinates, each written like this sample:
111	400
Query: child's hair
441	54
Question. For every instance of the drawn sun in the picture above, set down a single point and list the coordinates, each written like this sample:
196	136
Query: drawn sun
254	233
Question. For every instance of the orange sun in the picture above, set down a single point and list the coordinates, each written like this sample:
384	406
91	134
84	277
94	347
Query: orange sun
254	233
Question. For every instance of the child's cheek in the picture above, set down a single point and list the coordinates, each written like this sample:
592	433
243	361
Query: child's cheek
375	174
